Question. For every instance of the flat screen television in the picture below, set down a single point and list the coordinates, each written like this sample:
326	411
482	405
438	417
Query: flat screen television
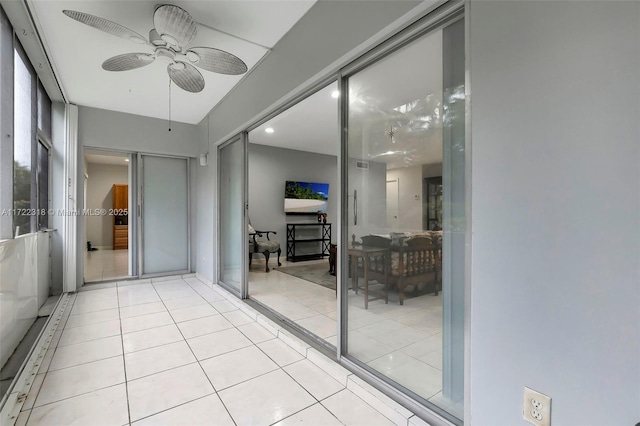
305	197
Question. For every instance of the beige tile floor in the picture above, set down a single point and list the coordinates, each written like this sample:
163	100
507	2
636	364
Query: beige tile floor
402	342
179	352
102	265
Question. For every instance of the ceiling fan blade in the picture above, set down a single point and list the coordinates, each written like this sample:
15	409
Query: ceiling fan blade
186	76
106	26
128	61
173	22
217	60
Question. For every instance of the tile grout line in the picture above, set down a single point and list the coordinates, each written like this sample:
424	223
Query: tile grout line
280	329
86	341
76	396
179	405
194	355
124	361
201	367
306	357
278	366
85	363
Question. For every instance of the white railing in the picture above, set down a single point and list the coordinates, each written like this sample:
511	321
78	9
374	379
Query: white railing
25	275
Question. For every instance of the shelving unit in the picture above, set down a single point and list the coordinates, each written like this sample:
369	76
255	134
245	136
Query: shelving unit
120	220
433	197
314	237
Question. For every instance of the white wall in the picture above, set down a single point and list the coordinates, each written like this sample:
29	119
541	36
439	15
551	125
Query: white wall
409	196
555	299
269	169
100	128
431	170
102	177
206	208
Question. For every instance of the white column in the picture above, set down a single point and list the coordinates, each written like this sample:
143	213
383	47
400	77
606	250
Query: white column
71	206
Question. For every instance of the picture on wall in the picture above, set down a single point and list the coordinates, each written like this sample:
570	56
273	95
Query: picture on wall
305	197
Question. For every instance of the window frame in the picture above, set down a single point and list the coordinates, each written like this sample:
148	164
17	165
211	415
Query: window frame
42	140
11	49
19	51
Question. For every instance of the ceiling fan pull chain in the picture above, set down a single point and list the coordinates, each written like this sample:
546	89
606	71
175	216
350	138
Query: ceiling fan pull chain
169	104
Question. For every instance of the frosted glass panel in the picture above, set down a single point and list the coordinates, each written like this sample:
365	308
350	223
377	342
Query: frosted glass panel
165	240
231	213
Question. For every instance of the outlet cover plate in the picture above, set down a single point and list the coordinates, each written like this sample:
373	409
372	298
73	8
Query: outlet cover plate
536	408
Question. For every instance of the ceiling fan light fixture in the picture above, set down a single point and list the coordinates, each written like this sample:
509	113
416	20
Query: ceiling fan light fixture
178	66
193	57
169	39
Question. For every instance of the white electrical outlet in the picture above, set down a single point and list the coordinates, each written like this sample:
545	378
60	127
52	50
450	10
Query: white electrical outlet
536	408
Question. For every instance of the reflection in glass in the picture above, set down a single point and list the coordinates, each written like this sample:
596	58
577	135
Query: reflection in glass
231	213
406	122
23	136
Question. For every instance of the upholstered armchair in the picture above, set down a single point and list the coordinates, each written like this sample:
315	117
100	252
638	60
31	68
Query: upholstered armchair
257	244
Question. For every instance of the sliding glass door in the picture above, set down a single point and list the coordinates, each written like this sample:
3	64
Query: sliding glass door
232	244
165	215
405	228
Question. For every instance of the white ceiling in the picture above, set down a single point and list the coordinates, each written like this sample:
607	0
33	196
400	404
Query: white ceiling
311	125
248	29
410	76
106	157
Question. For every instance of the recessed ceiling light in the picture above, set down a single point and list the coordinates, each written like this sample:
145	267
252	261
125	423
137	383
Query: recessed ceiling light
269	130
335	94
126	159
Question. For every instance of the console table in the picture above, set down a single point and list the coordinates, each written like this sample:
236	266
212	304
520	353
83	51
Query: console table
308	241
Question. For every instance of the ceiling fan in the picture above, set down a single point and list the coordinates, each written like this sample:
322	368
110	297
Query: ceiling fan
174	30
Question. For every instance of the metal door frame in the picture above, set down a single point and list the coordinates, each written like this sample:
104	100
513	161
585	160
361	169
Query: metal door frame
140	216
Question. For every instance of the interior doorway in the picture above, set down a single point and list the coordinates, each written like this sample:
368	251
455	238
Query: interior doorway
106	215
393	192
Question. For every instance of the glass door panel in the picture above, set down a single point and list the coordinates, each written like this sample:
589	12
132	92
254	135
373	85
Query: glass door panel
231	189
405	122
165	215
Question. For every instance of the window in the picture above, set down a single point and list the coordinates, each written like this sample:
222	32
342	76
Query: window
44	112
26	116
44	128
23	130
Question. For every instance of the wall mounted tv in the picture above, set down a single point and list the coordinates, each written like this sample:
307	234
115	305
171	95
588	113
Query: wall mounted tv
305	197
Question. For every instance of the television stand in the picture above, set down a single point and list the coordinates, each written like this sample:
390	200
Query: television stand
308	241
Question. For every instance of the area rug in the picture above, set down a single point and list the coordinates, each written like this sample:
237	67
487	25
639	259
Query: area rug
317	273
